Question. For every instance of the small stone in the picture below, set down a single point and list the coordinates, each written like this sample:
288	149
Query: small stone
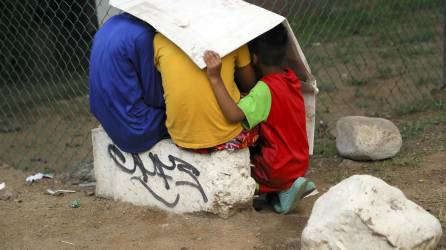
84	172
89	193
7	193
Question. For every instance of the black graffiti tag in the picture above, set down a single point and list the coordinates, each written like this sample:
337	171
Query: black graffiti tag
159	170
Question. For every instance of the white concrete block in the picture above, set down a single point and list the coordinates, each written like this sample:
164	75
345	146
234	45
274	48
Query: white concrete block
172	179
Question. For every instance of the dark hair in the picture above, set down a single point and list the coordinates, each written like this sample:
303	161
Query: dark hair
270	47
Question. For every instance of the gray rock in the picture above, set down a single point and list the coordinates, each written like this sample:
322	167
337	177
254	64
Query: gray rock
365	138
364	212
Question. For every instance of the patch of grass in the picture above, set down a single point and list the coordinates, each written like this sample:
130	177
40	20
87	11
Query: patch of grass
401	159
418	106
440	105
39	93
325	147
318	60
364	104
384	51
48	170
413	129
358	66
358	81
405	158
424	80
348	53
339	176
358	93
326	87
422	35
365	18
406	109
384	72
414	52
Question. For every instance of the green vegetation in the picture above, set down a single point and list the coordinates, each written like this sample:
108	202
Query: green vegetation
418	106
358	93
415	128
330	21
326	87
417	37
325	147
404	159
384	72
420	137
23	97
425	80
358	81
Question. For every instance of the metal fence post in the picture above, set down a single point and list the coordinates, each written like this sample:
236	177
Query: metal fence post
444	47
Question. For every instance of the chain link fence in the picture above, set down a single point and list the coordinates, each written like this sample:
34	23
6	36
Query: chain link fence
371	57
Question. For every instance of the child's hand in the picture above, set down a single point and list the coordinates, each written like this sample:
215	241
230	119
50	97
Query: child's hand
213	63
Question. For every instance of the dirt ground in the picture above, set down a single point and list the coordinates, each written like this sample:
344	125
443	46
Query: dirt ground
34	220
31	219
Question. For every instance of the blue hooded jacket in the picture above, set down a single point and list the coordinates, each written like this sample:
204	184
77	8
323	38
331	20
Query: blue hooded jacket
126	94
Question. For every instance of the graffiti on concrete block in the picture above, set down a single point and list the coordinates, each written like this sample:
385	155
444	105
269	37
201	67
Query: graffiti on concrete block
158	170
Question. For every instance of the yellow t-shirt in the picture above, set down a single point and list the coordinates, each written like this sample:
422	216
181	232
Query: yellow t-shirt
194	119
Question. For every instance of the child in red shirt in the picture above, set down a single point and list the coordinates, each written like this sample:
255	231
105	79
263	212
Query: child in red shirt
275	104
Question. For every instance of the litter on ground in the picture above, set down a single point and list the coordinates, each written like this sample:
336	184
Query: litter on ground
75	204
37	177
59	192
87	184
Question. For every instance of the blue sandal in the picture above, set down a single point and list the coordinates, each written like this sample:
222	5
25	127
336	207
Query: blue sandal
286	201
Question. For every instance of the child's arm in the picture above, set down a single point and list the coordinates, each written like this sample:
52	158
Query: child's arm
229	108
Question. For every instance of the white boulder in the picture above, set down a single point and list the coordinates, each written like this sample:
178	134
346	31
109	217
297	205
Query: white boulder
172	179
365	138
364	212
